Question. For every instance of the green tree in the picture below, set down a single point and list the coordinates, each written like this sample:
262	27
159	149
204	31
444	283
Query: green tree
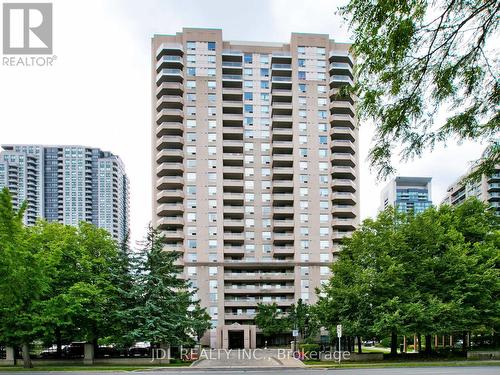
302	317
23	279
165	311
417	59
271	320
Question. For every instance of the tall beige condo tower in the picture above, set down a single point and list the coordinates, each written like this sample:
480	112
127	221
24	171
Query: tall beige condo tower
255	169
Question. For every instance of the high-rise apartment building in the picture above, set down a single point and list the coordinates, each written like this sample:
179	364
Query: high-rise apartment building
255	176
68	184
407	194
487	190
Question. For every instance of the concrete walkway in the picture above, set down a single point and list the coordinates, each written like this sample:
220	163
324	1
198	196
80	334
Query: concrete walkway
240	358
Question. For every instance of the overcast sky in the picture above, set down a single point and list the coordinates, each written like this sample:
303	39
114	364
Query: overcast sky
98	91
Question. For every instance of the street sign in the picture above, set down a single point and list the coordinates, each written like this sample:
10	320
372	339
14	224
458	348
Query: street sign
339	330
295	333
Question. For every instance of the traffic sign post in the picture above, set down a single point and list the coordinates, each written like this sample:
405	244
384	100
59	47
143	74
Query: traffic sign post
339	334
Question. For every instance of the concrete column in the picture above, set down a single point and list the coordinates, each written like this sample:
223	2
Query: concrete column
88	354
253	337
225	338
451	340
10	356
404	344
246	337
436	342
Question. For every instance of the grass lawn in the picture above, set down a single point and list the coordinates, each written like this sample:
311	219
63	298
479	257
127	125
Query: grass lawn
380	364
97	368
373	349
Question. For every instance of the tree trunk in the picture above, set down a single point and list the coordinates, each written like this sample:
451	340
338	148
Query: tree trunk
428	344
419	343
465	344
58	343
394	343
26	356
360	350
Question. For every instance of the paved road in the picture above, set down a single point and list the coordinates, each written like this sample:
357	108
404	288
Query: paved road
383	371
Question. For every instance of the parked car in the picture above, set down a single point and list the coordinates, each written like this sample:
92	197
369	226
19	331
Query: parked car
74	350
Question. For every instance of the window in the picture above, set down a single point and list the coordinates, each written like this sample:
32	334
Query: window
248	71
191	84
191	72
320	50
248	96
211	59
248	84
191	244
303	139
248	108
191	97
191	217
212	190
211	46
248	58
264	97
304	192
304	205
211	85
321	89
191	137
191	176
212	124
302	100
211	72
323	205
302	87
304	178
302	127
212	137
212	111
323	166
301	50
212	150
304	257
191	59
303	113
302	63
212	97
191	150
322	114
303	152
212	271
301	75
323	231
321	102
323	218
191	45
323	140
264	72
323	271
264	59
322	127
191	124
191	111
322	153
264	84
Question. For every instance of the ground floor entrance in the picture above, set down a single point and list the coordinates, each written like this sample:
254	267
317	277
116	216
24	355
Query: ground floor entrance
236	336
236	340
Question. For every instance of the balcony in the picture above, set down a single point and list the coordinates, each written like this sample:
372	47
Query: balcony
234	250
338	236
232	80
344	159
282	184
169	128
170	169
344	210
343	185
239	316
340	132
169	61
169	141
341	68
495	186
342	146
343	172
281	82
169	75
234	236
232	64
170	221
344	223
283	210
169	101
167	155
337	81
233	198
283	250
281	67
282	173
232	144
233	130
233	182
169	49
169	115
234	223
284	224
337	120
341	56
231	172
342	108
169	209
172	235
283	197
282	94
281	121
229	209
282	147
169	88
282	159
170	182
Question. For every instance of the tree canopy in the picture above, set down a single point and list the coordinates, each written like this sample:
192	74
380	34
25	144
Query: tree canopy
420	60
432	273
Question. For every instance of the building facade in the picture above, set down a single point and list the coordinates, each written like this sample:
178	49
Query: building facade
486	190
68	184
255	169
407	194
